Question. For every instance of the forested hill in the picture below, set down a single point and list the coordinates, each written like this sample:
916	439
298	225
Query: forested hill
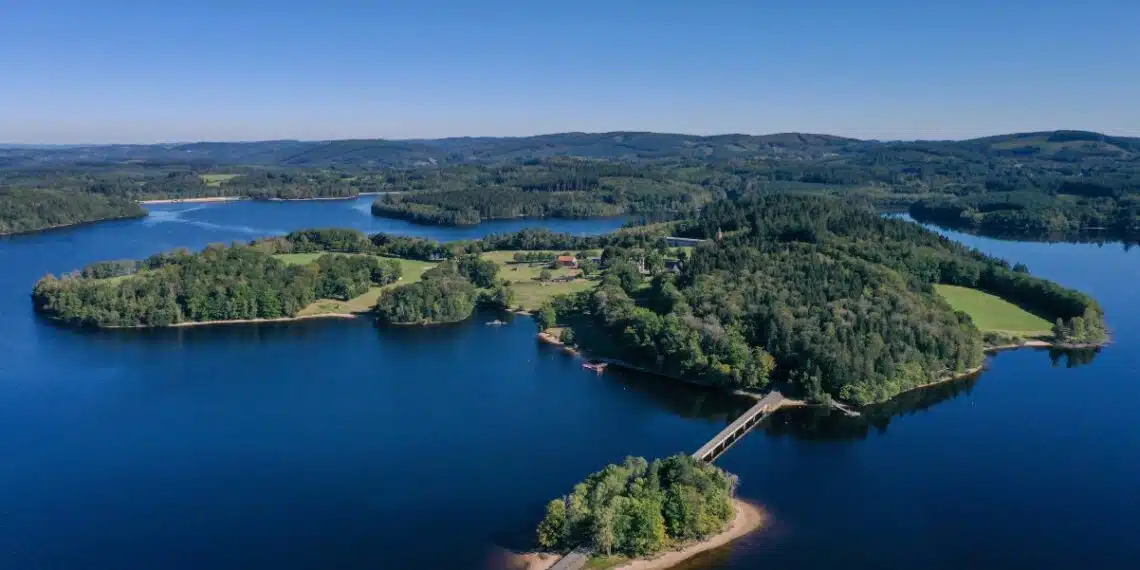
381	152
1071	147
836	301
33	210
1044	185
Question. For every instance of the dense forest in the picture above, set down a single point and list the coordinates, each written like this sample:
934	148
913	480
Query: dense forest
447	293
220	283
1047	185
33	210
640	508
833	300
562	188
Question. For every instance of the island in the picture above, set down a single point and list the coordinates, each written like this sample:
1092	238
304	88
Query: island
31	210
822	298
640	509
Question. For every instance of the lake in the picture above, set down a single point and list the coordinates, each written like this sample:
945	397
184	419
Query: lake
340	444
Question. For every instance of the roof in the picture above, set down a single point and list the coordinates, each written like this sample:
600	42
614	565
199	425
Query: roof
566	258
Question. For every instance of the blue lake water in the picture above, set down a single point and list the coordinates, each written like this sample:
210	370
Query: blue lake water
339	444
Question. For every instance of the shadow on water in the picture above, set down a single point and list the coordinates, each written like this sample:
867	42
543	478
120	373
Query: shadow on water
1072	358
689	401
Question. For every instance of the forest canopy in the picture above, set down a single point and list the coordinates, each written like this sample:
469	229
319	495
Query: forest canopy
33	210
834	300
640	508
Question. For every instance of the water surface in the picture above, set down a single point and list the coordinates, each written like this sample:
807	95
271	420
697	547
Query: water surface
338	444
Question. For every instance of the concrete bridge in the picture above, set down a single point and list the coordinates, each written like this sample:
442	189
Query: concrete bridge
720	442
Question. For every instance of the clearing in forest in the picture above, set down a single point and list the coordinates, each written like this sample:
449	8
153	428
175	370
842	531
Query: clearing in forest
412	271
992	313
217	179
530	291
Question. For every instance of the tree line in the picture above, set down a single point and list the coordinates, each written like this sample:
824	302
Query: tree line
218	284
29	210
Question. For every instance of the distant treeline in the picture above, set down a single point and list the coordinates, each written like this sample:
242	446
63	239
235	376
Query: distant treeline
33	210
1033	185
1079	209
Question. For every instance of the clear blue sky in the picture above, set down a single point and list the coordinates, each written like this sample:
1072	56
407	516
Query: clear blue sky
178	70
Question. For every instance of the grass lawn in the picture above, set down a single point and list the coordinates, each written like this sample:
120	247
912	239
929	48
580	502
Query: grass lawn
217	179
412	271
530	293
992	313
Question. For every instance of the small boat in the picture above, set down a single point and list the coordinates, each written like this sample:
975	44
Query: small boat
595	366
495	323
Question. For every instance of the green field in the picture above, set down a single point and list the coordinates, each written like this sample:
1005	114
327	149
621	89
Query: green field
217	179
412	271
992	313
530	293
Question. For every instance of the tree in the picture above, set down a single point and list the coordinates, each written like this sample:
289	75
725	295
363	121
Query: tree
545	317
567	337
627	274
544	275
552	530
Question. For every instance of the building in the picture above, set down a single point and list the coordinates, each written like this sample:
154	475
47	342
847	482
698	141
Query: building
568	261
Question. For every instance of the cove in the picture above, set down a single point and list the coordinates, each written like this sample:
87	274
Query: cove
340	444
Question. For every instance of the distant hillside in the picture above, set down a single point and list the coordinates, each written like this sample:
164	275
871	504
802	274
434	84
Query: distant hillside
375	153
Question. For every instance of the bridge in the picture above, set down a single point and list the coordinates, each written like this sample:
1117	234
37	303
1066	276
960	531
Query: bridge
720	443
708	452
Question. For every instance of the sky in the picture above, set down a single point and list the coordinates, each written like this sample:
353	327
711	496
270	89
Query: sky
126	71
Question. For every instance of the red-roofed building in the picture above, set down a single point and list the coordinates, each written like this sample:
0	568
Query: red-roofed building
566	261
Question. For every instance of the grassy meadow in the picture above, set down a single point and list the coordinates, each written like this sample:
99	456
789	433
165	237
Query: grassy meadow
530	293
412	271
217	179
992	313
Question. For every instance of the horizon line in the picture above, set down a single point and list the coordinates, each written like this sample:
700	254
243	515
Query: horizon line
182	142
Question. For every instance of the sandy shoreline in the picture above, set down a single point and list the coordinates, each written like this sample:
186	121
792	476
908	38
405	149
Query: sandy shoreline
1003	348
748	518
245	321
236	198
193	200
277	320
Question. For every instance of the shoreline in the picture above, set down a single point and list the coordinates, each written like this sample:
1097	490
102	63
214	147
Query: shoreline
193	200
997	349
747	519
208	199
187	324
72	225
550	339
